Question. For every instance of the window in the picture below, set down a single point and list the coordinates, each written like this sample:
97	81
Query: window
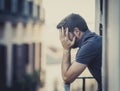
1	4
3	54
20	6
30	4
7	4
1	30
14	6
38	11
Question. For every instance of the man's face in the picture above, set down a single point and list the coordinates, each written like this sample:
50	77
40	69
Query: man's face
71	36
78	34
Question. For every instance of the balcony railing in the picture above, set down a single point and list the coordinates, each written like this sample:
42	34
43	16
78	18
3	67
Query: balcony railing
67	86
84	81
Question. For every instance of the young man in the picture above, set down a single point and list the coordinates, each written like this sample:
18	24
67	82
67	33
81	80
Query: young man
74	33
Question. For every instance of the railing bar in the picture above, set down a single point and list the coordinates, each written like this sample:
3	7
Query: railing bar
83	84
85	77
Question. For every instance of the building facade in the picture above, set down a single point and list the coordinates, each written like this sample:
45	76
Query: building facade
20	44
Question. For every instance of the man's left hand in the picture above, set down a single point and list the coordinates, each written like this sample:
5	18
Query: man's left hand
64	38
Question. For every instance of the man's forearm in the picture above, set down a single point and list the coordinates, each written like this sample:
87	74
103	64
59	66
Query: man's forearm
66	62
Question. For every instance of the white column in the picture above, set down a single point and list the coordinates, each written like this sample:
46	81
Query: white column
8	43
19	36
97	15
28	38
114	45
111	46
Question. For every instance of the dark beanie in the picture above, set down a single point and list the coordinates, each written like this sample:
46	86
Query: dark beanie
72	21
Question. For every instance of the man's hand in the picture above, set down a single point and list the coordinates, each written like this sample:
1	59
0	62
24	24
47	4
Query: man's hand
65	40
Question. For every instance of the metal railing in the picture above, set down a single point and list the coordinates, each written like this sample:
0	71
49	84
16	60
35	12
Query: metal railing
84	81
67	86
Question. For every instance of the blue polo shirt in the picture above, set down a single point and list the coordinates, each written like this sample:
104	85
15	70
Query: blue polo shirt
90	53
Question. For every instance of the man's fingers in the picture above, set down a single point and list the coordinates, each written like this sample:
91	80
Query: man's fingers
63	32
60	33
67	33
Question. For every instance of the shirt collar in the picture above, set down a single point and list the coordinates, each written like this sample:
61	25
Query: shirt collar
86	35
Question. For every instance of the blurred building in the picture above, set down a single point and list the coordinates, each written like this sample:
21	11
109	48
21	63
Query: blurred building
21	23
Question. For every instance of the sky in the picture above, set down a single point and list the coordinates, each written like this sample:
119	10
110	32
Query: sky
55	10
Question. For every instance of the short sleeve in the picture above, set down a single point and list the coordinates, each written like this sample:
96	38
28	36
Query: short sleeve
86	53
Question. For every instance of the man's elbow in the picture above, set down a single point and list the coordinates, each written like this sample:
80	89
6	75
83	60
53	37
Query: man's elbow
67	80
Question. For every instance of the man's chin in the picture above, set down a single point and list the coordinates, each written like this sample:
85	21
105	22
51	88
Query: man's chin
74	46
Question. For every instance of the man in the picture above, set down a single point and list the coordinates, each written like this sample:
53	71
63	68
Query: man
74	33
